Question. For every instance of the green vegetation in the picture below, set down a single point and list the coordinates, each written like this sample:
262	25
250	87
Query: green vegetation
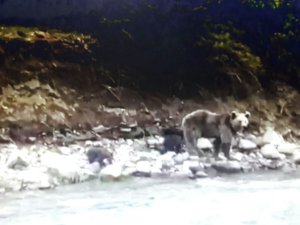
33	34
178	47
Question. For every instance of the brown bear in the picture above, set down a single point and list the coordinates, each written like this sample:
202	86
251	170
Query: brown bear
222	127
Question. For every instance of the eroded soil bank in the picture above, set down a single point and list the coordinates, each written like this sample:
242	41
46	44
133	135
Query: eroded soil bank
34	109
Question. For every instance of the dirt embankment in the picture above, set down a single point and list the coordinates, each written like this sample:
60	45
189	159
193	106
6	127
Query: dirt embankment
33	108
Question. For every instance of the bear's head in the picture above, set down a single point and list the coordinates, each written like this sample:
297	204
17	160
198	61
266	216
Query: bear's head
239	121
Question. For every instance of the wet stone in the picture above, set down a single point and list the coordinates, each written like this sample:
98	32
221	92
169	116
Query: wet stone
269	151
227	166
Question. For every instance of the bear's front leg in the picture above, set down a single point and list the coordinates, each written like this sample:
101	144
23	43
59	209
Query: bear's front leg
226	149
217	145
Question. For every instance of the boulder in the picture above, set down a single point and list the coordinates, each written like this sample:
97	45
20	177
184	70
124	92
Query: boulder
296	157
258	140
200	174
272	137
246	145
166	161
288	148
147	155
154	142
123	153
227	166
205	144
64	150
111	172
36	178
128	171
16	161
272	163
65	168
180	158
93	168
192	167
237	156
269	151
143	169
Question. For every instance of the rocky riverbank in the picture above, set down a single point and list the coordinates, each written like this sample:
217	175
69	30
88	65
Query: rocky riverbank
40	166
48	128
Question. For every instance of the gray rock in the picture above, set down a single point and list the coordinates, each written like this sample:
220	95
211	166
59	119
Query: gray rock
180	174
100	129
271	163
237	156
157	172
256	139
288	148
11	184
64	150
289	167
94	167
246	145
76	148
147	156
296	157
111	172
65	168
227	166
45	186
138	145
200	174
269	151
205	144
154	141
36	178
128	171
272	137
143	169
192	166
123	153
166	161
249	167
16	161
180	158
194	158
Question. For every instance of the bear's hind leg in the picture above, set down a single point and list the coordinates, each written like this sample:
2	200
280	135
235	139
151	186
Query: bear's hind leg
191	138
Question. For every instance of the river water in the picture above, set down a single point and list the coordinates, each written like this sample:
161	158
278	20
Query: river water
266	199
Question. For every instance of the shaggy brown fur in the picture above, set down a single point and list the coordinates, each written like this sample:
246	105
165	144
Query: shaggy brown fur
222	127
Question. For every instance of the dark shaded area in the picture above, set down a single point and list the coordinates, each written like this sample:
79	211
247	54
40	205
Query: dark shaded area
180	47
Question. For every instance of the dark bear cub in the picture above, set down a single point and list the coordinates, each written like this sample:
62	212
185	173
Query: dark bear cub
97	154
173	140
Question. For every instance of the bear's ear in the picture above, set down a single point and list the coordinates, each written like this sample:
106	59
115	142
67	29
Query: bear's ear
247	114
233	115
